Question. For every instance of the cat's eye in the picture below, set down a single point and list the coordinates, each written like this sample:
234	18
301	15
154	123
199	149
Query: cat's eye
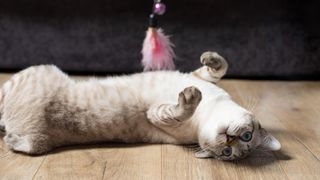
227	151
246	137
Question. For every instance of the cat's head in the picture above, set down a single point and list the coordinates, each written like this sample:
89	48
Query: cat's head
232	133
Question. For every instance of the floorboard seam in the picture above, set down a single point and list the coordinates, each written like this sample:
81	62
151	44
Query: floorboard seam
285	173
104	169
161	161
39	167
306	148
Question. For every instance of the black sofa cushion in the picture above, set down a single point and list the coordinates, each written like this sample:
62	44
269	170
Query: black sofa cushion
260	39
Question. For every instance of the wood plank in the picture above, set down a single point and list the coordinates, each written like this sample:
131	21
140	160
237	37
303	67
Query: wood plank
180	163
301	113
103	162
134	162
17	166
71	164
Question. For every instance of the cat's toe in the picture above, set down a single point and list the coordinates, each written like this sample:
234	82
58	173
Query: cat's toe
213	60
190	96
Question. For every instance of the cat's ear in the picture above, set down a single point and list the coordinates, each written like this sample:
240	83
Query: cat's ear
268	141
203	154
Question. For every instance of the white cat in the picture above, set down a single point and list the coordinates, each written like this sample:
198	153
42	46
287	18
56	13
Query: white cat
42	108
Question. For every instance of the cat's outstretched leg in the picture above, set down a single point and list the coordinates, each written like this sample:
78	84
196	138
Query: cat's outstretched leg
174	114
215	67
30	144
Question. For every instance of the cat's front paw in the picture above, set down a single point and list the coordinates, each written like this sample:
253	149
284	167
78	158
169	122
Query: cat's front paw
213	60
189	98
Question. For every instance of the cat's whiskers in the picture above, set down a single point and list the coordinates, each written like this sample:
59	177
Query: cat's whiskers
202	149
250	102
194	147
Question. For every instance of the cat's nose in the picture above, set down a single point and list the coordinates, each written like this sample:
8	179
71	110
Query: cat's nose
231	139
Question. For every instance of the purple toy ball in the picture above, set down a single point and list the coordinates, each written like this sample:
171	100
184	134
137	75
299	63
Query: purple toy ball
159	8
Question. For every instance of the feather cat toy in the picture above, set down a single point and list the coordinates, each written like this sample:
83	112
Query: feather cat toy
157	52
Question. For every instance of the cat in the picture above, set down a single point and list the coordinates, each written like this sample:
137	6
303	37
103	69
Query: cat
42	108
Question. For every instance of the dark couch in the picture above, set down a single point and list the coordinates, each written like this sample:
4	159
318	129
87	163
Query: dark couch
260	39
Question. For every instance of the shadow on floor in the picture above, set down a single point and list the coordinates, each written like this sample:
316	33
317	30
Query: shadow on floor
256	159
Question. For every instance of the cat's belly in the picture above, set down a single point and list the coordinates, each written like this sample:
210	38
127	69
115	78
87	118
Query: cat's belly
79	125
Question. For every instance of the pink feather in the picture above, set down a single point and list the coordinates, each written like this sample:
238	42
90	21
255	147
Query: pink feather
157	52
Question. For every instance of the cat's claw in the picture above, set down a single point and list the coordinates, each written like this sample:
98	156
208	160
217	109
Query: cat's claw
213	60
190	97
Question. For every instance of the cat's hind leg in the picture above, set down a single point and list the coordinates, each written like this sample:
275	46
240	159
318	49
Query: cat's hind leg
174	114
215	67
29	144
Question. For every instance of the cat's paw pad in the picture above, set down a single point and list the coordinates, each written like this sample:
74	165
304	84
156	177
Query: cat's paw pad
190	97
213	60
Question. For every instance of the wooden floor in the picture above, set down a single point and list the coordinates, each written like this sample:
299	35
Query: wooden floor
290	110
